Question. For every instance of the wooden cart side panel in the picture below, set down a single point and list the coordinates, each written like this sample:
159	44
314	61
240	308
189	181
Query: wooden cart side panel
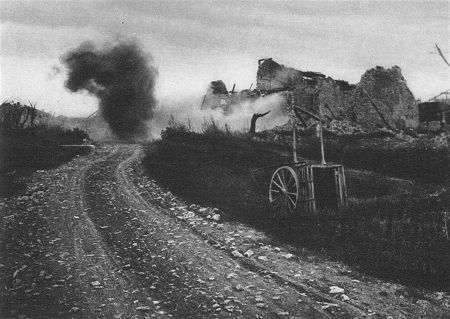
341	188
306	204
344	188
312	208
337	185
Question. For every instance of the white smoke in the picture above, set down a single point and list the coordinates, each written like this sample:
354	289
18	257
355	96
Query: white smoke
187	111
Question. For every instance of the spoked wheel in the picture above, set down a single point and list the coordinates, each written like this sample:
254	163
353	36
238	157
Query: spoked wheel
283	191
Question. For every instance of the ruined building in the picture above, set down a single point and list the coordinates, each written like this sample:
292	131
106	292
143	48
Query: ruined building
435	113
273	77
381	99
218	97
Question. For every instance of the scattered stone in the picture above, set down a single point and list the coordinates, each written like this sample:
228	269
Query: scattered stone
259	299
327	305
236	253
423	303
229	308
249	253
239	287
439	295
264	258
74	309
283	313
189	215
231	275
336	290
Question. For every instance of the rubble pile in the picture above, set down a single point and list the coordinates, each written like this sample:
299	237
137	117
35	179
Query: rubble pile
335	127
345	127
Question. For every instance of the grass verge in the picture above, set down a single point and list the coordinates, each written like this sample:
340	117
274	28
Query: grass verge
391	228
420	159
28	149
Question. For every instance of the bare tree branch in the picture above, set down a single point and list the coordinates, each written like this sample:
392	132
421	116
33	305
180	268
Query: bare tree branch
253	121
442	55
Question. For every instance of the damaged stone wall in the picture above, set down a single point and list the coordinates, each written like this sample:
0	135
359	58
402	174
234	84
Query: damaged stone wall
381	100
326	98
272	76
333	99
395	105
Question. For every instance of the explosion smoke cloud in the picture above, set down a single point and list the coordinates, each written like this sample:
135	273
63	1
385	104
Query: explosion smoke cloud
122	77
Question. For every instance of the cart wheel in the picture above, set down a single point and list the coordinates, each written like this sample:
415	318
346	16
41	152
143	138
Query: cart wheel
283	191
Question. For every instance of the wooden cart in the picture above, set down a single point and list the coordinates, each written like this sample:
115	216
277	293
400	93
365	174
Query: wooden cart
302	187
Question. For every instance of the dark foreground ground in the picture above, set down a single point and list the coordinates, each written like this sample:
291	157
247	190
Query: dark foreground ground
393	228
94	238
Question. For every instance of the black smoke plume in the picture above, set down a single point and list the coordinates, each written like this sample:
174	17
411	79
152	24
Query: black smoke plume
122	77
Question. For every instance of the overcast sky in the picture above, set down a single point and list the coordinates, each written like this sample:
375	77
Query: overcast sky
193	43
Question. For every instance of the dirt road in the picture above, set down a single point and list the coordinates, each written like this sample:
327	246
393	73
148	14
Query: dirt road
95	239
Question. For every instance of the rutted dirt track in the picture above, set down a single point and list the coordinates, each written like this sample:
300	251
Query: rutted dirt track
106	243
